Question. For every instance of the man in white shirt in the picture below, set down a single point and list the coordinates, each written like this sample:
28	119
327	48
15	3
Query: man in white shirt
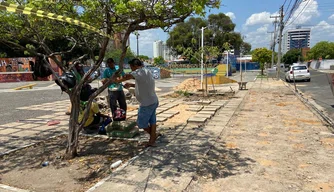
146	96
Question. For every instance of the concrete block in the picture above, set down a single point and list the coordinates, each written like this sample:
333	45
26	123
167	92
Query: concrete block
208	116
204	102
195	108
207	112
161	119
210	109
164	115
218	103
172	112
197	120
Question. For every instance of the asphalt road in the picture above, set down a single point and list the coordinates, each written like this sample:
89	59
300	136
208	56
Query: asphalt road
319	90
45	92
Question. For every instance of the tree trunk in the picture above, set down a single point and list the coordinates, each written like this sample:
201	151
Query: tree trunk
73	135
262	71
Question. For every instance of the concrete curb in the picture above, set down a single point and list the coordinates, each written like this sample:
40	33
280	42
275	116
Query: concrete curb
9	188
325	118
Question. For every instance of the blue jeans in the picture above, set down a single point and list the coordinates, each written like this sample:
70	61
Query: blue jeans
147	116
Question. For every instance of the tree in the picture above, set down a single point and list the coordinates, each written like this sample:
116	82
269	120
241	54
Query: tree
88	24
292	56
159	60
323	49
117	53
262	55
245	48
143	57
219	29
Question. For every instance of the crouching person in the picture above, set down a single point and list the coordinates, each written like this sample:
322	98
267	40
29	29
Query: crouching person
95	117
146	96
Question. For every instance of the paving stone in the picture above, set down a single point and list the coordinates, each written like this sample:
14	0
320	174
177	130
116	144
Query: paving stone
195	108
161	119
218	103
207	112
162	115
209	109
197	120
172	112
171	105
203	116
204	102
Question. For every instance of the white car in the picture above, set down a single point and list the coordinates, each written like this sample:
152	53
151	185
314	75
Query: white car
298	72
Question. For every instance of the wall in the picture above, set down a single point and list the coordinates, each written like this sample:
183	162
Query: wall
323	64
16	64
17	77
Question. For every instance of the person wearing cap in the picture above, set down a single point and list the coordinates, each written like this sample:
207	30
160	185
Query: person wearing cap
115	90
146	96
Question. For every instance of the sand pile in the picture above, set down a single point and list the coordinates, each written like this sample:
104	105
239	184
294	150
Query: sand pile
191	84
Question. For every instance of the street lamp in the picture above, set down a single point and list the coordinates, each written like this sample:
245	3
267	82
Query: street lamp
137	35
202	43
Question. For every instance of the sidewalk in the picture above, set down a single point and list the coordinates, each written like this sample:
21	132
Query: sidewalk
263	140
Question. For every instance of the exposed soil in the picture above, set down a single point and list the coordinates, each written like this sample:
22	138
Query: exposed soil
191	84
289	147
180	118
23	169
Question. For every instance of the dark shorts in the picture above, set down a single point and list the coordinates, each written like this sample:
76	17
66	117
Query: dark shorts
147	116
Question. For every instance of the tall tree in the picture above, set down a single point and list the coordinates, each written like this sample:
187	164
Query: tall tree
262	55
323	49
219	29
292	56
98	21
159	60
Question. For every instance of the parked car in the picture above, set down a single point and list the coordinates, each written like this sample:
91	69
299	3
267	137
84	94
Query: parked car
299	72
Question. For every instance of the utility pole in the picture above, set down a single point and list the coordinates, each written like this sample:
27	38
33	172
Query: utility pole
274	40
202	56
280	43
137	35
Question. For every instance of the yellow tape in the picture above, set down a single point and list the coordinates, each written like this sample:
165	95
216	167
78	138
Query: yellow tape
39	13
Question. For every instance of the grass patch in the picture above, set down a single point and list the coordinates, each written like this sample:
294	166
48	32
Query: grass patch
261	76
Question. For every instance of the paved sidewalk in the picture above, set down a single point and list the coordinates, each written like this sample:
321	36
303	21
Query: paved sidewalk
266	140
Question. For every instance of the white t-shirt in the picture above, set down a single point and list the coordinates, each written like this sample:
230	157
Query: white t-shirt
145	87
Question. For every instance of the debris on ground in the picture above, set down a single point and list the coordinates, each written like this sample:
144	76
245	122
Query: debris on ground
191	84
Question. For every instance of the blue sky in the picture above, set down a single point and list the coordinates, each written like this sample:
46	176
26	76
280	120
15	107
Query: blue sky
252	20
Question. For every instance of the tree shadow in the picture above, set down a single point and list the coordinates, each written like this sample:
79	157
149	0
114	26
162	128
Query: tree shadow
188	153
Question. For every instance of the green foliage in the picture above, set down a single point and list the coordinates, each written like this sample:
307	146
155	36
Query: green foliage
245	48
195	55
292	56
158	60
116	54
323	49
219	29
3	54
262	55
143	57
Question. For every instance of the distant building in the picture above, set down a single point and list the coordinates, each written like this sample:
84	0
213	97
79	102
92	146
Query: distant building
296	39
168	56
158	49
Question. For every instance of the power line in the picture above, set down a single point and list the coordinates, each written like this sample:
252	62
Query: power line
308	1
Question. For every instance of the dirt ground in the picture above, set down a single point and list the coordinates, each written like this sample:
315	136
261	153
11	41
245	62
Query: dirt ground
23	168
277	145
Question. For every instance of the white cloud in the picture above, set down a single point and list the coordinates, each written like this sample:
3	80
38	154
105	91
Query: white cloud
259	37
322	32
331	17
146	39
231	15
305	12
259	18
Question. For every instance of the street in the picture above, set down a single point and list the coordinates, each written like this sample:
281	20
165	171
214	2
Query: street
46	92
319	90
